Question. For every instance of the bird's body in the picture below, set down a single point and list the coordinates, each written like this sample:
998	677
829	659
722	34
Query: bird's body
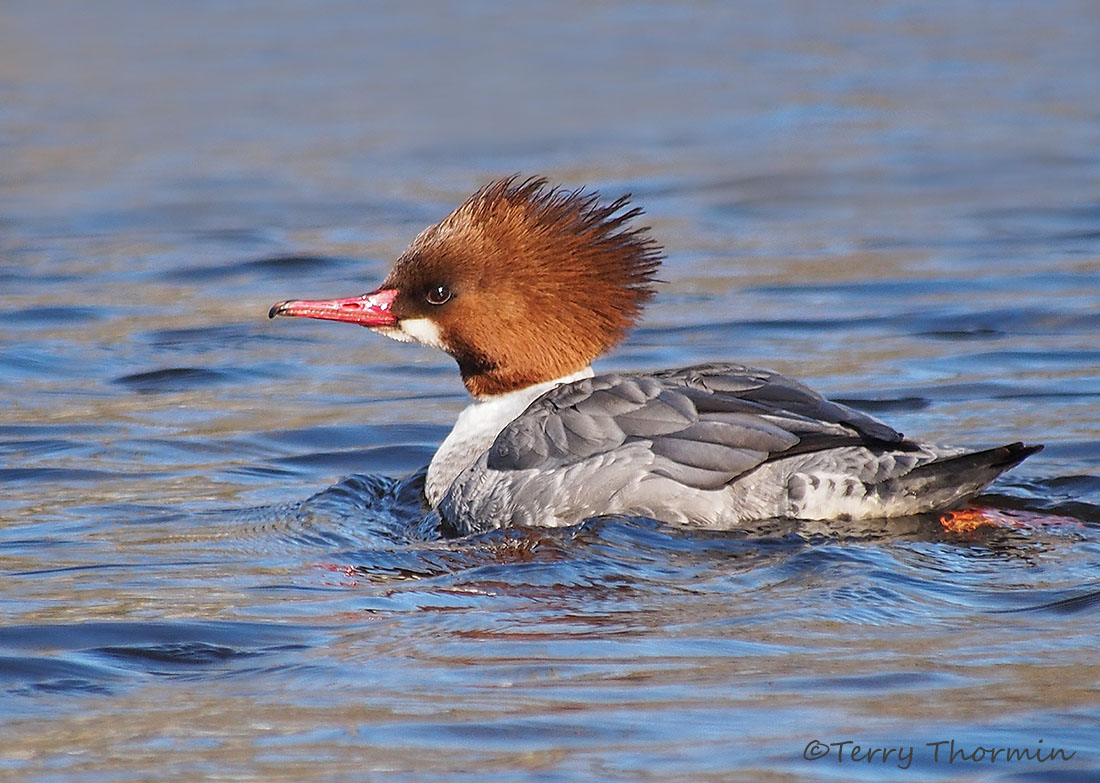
714	446
525	286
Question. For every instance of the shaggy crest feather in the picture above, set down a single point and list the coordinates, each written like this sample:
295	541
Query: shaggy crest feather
534	260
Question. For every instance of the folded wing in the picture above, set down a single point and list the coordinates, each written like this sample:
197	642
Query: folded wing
704	426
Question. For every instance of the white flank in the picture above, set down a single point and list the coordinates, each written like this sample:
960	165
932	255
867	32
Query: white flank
477	427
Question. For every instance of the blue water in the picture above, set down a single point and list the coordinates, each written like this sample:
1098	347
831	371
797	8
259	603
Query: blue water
214	559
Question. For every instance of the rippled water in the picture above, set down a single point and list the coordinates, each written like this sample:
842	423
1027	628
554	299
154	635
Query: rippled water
213	558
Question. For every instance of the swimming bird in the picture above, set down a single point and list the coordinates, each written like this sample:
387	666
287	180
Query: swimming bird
524	285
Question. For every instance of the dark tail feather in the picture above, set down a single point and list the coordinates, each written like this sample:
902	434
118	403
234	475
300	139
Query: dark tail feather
946	482
993	461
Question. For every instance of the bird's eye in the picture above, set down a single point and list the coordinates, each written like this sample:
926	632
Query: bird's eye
438	295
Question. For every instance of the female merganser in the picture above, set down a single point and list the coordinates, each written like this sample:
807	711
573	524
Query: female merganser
525	285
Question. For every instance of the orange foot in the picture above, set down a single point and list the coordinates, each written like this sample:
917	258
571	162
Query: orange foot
967	520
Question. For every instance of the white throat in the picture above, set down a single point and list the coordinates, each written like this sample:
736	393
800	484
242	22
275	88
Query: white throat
477	427
414	330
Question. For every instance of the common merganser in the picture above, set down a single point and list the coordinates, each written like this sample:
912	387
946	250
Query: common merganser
525	285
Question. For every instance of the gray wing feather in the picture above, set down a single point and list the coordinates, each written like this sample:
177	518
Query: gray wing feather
581	427
555	431
528	444
692	477
612	402
742	432
662	414
717	387
704	425
708	456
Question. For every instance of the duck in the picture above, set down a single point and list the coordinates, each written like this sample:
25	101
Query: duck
525	284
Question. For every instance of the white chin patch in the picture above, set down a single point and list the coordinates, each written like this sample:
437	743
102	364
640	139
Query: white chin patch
415	330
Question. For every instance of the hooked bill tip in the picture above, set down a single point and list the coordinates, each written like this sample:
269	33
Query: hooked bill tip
277	308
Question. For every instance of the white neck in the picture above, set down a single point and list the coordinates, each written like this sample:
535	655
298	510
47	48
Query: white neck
477	427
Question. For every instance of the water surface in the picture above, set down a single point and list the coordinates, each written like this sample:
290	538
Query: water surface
211	544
